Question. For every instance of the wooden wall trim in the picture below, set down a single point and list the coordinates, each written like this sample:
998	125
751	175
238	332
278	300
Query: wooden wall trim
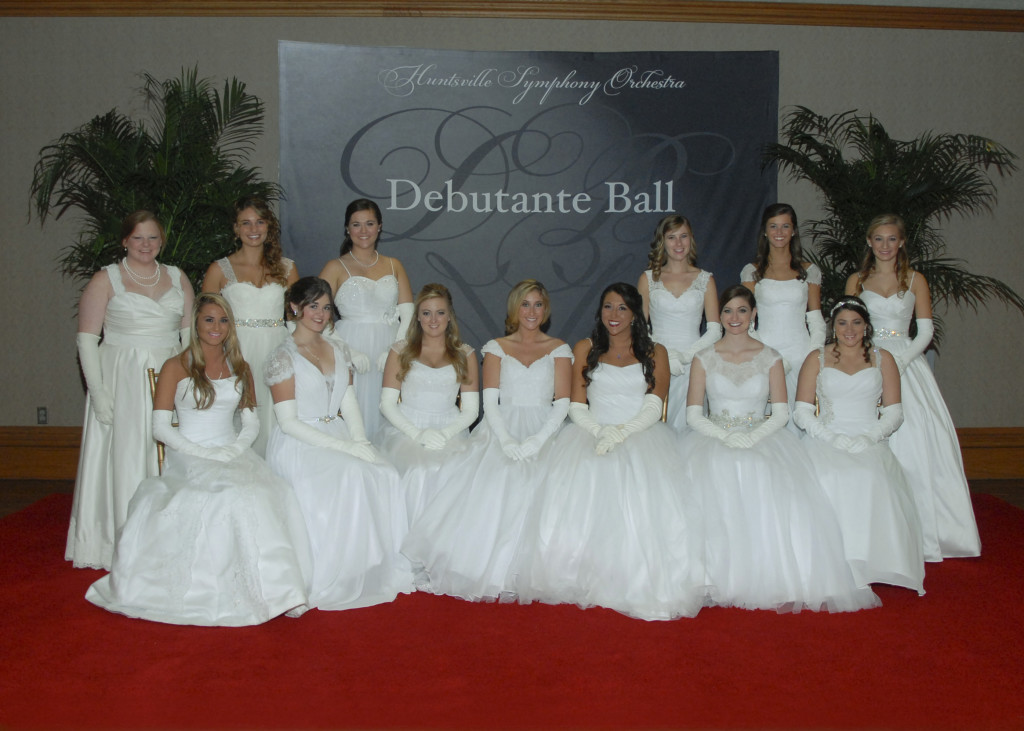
51	452
685	11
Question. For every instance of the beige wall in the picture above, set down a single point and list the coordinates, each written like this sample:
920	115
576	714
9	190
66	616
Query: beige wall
57	73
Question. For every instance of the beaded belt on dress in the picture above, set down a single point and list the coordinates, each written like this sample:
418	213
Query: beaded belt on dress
256	322
744	421
326	419
881	332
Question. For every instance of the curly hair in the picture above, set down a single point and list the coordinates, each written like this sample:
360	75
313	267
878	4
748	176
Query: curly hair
273	257
641	344
452	342
360	204
657	258
516	298
867	266
194	362
796	250
856	305
306	291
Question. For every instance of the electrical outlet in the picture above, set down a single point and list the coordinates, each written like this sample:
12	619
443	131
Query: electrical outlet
41	415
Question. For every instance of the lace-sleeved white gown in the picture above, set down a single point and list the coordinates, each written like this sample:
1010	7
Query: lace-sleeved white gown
926	444
773	541
619	530
428	401
467	535
676	324
781	323
870	494
368	310
209	543
138	333
354	510
259	322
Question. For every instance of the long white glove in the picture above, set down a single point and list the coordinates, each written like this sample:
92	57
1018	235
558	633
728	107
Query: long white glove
492	412
427	438
353	416
805	418
747	439
581	417
532	445
711	335
164	432
287	413
648	415
406	311
890	418
701	424
815	328
925	331
99	395
246	435
469	409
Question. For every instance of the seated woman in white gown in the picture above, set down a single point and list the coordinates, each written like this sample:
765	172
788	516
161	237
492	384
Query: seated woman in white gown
926	444
350	498
467	535
677	294
612	526
436	376
773	541
848	447
218	539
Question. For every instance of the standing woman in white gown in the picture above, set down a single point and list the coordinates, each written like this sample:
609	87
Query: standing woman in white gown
373	298
253	280
350	498
218	539
788	291
676	293
437	378
468	533
773	541
926	445
140	307
874	504
613	526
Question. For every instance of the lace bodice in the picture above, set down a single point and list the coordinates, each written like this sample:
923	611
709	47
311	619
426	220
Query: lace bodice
531	385
737	391
849	402
317	396
208	427
781	306
616	394
254	306
890	316
136	321
676	320
360	299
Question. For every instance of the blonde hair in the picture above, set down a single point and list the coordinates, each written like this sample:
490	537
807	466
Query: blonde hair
194	362
657	258
452	343
867	266
515	301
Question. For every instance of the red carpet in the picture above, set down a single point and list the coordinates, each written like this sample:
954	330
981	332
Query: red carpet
953	659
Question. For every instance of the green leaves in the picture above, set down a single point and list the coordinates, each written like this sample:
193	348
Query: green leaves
186	163
862	172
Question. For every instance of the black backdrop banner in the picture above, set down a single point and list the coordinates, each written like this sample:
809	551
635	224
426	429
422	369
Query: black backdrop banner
491	167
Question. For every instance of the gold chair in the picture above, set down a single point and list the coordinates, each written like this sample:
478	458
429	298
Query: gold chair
151	374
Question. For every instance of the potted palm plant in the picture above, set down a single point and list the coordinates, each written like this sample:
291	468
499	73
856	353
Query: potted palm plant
186	163
861	172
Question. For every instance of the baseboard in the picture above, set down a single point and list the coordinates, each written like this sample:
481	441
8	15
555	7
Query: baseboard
51	452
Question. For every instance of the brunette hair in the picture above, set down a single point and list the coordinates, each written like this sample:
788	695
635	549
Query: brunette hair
867	266
796	250
306	291
452	342
657	257
736	290
194	362
642	344
273	258
853	304
515	300
360	204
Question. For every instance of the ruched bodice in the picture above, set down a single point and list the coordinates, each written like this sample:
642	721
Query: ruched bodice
890	317
134	320
676	320
360	299
849	402
616	394
253	306
737	392
428	395
531	385
209	427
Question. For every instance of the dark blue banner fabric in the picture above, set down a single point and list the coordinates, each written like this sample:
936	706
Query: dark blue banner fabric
492	167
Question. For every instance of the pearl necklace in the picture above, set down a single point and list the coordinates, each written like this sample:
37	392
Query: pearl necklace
365	267
137	278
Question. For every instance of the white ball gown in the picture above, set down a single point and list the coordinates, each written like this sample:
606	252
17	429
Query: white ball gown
429	402
354	510
781	323
138	333
675	323
773	541
368	309
870	494
259	322
209	543
618	530
926	444
467	536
